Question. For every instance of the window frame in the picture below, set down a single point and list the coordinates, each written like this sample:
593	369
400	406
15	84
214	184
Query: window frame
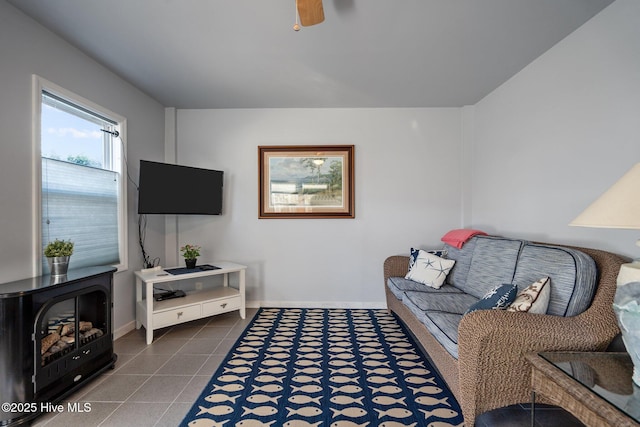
39	85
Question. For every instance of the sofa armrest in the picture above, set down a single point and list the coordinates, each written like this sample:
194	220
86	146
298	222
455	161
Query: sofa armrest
492	370
492	344
395	266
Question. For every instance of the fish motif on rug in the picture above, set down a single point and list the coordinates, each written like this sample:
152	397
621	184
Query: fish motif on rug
325	367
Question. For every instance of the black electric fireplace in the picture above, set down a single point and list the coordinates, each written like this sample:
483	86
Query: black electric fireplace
55	335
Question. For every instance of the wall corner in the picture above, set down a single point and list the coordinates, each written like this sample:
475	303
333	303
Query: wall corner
468	126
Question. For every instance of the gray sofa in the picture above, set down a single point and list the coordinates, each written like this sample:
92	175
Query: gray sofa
481	354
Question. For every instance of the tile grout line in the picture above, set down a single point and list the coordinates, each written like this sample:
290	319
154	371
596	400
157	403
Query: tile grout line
126	400
110	413
229	329
192	376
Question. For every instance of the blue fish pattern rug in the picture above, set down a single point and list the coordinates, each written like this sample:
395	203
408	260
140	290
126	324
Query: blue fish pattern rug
325	367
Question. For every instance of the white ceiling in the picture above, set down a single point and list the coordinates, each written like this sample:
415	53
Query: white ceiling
367	53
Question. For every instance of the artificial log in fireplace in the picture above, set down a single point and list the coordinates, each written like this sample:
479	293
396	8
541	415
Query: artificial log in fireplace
61	338
56	336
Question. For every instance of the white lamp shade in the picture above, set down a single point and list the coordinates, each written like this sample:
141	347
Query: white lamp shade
618	207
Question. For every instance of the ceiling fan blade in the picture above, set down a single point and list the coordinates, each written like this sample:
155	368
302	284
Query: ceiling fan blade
310	12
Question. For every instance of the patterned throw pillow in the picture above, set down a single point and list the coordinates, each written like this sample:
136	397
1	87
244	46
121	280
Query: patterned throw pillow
442	253
429	269
498	298
534	298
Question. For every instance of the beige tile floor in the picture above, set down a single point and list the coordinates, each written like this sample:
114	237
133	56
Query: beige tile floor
156	385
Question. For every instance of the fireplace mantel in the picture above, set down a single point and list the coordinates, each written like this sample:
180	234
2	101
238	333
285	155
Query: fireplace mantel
40	283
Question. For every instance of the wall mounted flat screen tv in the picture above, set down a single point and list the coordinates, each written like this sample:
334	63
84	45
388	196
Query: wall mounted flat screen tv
165	188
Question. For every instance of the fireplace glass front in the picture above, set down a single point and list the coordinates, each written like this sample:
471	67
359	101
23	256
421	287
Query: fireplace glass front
61	333
69	331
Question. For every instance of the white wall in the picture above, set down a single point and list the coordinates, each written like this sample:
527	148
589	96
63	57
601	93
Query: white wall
26	48
408	186
553	138
523	162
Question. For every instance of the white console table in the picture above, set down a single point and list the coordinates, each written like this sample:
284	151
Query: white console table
196	304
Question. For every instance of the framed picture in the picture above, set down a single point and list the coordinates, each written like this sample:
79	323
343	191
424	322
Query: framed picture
314	181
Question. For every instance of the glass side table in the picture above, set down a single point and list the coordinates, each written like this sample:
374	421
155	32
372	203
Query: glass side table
595	387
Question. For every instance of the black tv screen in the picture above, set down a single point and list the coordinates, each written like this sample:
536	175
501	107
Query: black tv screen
165	188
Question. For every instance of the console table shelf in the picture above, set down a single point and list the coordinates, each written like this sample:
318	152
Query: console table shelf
194	305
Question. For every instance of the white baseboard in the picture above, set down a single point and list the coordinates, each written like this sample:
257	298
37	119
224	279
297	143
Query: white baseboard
124	330
318	304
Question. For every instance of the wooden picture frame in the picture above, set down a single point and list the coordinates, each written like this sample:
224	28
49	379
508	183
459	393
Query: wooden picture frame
306	181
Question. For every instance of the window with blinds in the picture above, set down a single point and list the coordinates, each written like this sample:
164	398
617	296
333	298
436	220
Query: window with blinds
81	172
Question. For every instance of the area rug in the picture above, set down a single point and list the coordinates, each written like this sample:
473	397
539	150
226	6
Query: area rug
325	367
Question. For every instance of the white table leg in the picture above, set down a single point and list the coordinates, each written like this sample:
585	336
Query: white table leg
149	313
138	299
243	309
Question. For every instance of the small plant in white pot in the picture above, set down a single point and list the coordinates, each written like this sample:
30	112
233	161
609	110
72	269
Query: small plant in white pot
58	253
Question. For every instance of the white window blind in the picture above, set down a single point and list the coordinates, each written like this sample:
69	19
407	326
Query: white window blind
81	189
80	203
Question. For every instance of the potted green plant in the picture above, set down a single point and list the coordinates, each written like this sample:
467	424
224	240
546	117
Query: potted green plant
58	253
190	254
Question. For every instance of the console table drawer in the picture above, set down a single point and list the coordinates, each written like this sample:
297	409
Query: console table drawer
220	306
203	301
178	315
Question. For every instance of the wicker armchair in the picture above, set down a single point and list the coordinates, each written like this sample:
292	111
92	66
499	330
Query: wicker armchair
491	371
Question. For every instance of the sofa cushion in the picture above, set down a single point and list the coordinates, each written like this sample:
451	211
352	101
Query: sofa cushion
534	298
399	285
449	302
444	327
430	269
458	274
498	298
493	262
440	313
573	276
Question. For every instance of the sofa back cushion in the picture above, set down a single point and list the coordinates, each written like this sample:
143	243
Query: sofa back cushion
486	261
458	274
573	276
493	263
